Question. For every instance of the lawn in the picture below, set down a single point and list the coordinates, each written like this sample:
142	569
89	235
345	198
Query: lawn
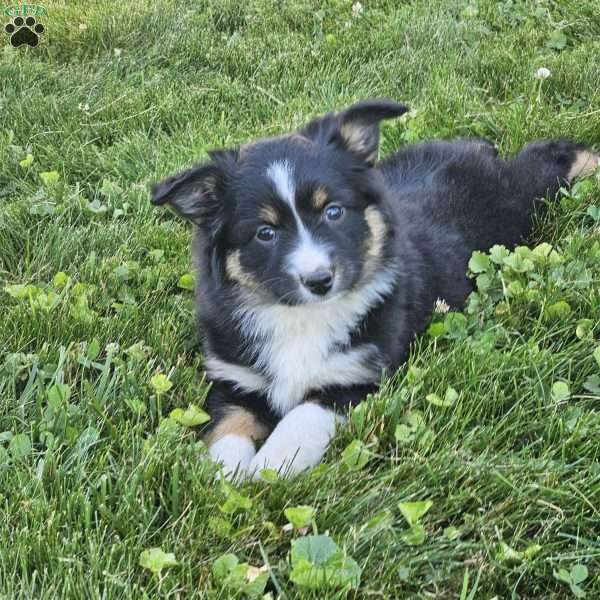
495	420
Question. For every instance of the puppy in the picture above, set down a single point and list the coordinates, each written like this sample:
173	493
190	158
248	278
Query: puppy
317	266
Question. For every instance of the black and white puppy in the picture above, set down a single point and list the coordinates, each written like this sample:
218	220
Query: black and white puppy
317	266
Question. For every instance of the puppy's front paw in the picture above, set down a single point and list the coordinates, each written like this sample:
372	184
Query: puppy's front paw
297	443
286	461
234	453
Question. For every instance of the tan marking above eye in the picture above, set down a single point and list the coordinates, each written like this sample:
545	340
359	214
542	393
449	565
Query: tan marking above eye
320	198
269	215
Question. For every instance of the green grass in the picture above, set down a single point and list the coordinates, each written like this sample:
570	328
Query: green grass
88	480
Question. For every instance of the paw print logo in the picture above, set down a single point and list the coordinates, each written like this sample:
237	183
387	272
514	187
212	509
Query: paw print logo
24	31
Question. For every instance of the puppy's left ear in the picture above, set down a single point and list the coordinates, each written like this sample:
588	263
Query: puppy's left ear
359	125
357	128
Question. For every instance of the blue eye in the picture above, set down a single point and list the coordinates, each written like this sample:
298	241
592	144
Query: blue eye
333	212
265	234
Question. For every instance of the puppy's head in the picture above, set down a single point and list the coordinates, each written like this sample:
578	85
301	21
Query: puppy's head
293	219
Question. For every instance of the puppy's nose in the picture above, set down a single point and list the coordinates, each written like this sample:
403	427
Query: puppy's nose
318	282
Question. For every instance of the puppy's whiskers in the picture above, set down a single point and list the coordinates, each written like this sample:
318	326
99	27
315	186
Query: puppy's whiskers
262	284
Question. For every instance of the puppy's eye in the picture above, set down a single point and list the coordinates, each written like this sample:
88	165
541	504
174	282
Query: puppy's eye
333	212
265	234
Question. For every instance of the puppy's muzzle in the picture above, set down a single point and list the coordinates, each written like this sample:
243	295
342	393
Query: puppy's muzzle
318	282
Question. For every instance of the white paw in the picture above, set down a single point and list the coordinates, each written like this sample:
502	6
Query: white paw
283	460
297	443
234	453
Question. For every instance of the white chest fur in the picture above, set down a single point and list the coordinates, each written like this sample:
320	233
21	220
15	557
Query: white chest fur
301	348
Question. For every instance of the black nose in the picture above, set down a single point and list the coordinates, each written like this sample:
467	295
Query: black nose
319	282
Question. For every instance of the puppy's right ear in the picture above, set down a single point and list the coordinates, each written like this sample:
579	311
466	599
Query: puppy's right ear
198	193
355	129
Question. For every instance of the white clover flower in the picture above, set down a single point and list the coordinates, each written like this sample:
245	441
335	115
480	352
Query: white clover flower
542	73
441	306
82	26
118	52
357	9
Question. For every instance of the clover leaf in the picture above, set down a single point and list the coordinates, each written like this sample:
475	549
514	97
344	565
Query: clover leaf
191	416
318	563
300	516
155	560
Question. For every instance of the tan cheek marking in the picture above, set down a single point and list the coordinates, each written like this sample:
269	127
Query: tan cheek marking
269	215
378	229
320	198
235	271
585	164
238	421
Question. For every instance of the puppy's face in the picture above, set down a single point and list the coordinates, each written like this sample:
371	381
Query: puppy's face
295	219
299	227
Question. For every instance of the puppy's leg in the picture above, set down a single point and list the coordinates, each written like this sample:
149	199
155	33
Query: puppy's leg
585	164
231	440
541	166
298	442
